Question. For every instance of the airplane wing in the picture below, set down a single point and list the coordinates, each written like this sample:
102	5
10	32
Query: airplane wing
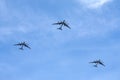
58	23
17	44
67	26
27	46
102	64
93	62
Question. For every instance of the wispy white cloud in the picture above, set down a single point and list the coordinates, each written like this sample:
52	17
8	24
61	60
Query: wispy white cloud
14	21
93	3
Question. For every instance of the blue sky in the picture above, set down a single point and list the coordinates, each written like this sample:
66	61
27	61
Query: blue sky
59	55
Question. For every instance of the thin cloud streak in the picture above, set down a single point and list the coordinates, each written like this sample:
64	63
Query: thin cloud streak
93	4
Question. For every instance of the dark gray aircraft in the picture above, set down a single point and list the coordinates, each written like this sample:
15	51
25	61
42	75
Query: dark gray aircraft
61	23
96	62
22	44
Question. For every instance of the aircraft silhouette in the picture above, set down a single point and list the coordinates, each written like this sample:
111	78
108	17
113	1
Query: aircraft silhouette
96	62
62	23
22	44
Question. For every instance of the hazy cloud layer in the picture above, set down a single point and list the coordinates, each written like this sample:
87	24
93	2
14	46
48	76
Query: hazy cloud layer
54	54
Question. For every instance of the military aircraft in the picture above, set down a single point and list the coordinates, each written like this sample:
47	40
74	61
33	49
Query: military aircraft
62	23
22	44
96	62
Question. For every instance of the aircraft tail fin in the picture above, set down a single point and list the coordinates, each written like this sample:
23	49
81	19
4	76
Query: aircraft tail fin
21	48
95	65
60	28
